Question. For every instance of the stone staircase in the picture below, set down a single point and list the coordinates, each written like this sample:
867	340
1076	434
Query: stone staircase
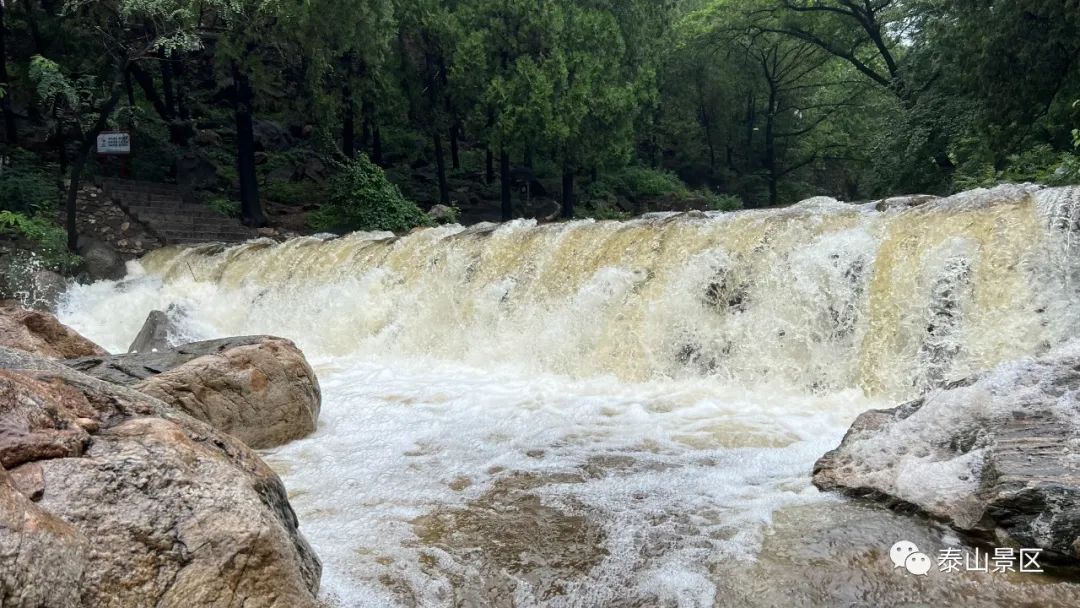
162	208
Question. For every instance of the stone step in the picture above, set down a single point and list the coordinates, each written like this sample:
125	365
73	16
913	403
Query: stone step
162	209
168	214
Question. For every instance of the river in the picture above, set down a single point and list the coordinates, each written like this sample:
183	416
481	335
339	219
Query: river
625	413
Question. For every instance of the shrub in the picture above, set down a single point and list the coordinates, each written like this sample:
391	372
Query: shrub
1040	164
361	198
225	206
639	182
721	202
49	240
293	193
26	185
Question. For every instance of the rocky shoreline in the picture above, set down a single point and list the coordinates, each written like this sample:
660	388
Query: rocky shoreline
996	456
136	488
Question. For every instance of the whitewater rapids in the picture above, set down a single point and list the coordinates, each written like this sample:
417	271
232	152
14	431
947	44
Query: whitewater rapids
624	414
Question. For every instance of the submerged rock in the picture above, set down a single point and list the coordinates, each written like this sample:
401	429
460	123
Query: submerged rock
41	334
115	499
996	456
259	389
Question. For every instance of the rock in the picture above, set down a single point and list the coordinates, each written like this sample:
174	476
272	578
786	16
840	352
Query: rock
40	333
131	369
904	202
996	456
258	389
23	279
208	138
138	504
271	136
154	335
266	231
443	214
42	557
101	261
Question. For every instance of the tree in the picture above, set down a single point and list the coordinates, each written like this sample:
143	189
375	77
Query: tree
125	33
600	88
428	34
10	131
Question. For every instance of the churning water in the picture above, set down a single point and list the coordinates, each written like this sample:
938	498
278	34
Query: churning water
625	414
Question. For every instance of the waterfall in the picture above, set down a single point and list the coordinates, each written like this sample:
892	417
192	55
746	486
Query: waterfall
623	413
821	296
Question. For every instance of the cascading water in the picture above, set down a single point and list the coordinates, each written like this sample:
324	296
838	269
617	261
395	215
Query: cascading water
624	414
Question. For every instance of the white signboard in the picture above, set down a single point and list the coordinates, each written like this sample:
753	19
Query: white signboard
114	142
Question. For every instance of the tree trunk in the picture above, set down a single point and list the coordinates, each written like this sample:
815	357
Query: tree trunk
376	144
489	165
10	130
251	212
366	110
178	84
770	159
146	83
455	153
504	178
86	146
167	86
770	143
348	127
440	167
129	89
706	124
567	192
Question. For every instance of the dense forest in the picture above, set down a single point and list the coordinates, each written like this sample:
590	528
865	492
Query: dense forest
365	112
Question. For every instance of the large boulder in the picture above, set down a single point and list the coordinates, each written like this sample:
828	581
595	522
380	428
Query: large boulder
259	389
40	333
100	260
109	497
23	279
996	456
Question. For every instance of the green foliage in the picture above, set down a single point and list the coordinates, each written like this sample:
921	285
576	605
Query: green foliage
48	240
642	182
225	206
1039	164
361	198
293	193
26	185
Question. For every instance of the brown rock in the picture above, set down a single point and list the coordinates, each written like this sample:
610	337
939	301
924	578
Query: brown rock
42	557
160	509
40	333
265	394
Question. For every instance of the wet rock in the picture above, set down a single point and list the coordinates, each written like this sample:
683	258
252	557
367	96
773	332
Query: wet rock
23	279
40	333
101	261
42	557
154	335
904	202
156	509
995	456
259	389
